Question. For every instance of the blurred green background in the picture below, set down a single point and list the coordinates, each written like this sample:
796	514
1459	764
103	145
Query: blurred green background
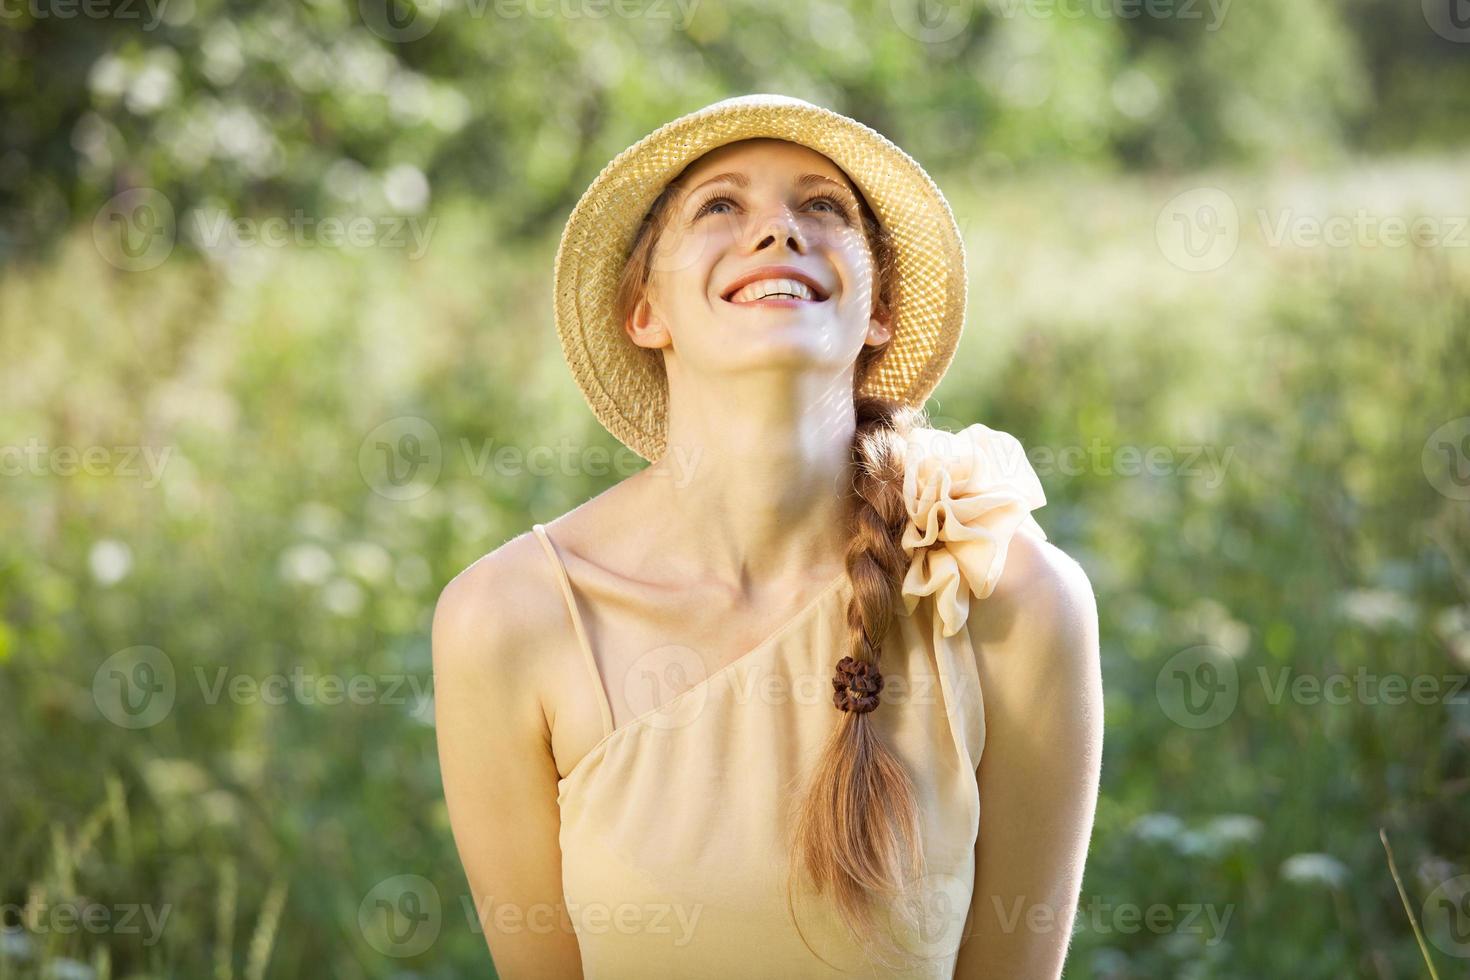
1219	287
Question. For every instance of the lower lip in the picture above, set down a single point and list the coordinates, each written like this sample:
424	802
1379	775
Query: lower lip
778	302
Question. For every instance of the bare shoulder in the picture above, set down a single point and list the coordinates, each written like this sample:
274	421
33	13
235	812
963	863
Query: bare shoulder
1042	616
492	619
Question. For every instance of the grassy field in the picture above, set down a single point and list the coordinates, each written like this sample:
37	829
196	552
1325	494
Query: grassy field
1249	407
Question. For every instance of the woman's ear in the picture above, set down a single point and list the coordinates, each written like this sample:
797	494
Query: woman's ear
645	327
880	329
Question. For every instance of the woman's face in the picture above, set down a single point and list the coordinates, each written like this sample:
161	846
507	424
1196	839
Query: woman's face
751	214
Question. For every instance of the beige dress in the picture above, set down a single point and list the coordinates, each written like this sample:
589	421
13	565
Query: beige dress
674	827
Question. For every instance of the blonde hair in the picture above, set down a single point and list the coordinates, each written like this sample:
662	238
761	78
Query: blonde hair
856	825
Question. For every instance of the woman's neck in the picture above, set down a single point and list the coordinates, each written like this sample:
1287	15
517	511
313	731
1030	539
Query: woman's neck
754	489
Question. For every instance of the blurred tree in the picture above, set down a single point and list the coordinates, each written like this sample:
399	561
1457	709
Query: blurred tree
364	107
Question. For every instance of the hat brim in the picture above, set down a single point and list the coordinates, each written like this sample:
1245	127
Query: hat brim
625	384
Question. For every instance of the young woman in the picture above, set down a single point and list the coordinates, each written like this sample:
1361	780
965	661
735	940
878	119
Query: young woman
812	694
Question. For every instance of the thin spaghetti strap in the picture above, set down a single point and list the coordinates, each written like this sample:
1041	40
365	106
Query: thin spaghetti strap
581	630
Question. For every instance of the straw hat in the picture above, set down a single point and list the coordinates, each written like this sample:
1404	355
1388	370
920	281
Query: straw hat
625	384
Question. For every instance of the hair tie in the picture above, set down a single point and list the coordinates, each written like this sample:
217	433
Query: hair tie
855	686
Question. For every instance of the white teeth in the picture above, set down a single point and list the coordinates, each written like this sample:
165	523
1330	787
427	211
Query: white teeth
763	288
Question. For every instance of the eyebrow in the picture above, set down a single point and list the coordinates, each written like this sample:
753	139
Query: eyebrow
740	180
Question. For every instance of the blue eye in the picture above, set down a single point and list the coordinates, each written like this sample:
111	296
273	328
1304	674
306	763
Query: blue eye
834	205
708	207
838	208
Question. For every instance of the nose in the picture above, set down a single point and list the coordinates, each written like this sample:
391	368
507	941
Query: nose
778	226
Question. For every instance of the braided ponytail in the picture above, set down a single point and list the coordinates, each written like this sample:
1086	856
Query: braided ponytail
856	826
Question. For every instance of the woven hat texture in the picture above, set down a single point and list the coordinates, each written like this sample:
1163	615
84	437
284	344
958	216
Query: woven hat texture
624	384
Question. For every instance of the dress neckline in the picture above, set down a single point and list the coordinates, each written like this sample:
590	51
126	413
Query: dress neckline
639	721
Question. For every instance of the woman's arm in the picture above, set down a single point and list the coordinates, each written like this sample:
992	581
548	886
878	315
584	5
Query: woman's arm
1036	645
500	779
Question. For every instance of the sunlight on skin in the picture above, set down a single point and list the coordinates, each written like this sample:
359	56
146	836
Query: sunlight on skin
765	494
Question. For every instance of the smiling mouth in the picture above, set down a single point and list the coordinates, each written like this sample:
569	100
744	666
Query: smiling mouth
779	290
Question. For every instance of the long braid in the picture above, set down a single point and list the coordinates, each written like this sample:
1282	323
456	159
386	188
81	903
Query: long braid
857	829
